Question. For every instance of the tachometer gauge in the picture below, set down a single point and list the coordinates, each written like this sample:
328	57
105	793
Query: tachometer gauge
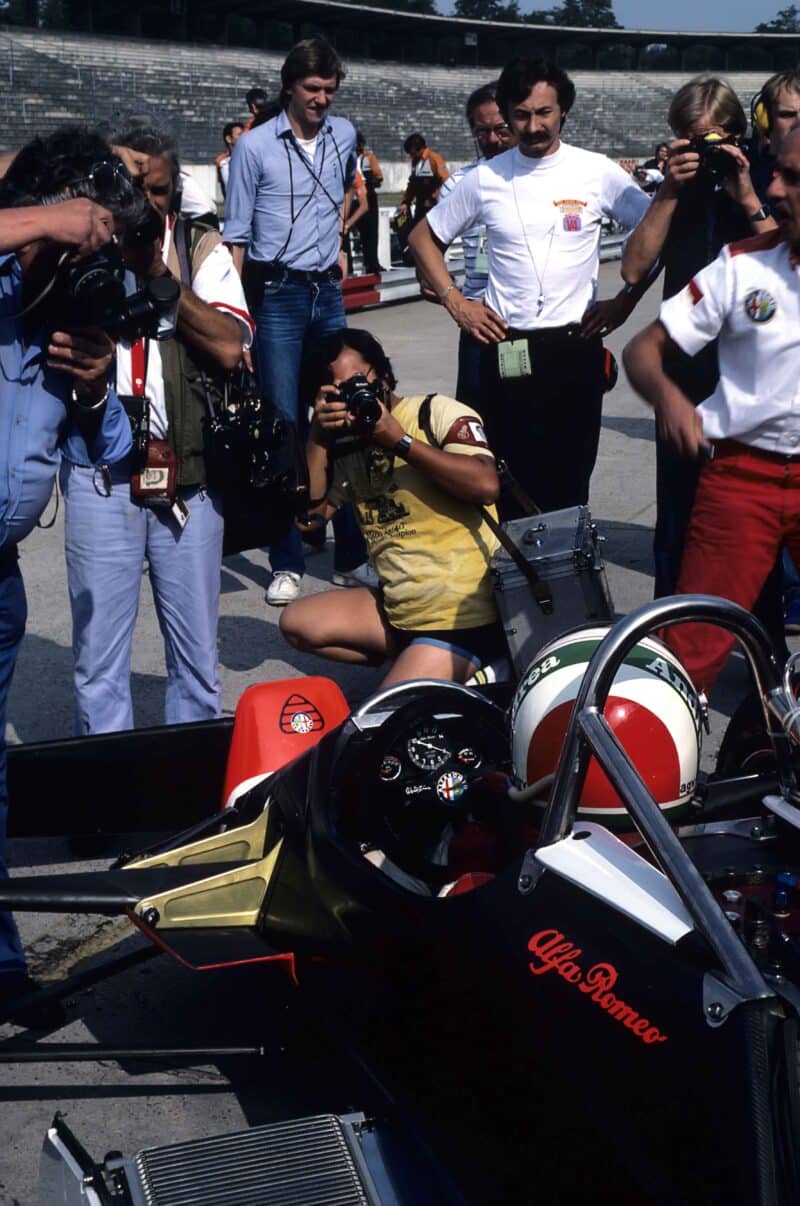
390	768
428	748
469	757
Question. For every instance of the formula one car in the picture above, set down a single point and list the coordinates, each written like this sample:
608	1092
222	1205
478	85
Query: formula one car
577	966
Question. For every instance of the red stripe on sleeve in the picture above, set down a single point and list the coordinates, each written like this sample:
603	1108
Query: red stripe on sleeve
695	291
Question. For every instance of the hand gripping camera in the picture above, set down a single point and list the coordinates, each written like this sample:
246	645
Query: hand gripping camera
363	400
91	293
715	163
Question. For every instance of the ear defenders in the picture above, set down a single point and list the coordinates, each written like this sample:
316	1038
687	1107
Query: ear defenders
759	115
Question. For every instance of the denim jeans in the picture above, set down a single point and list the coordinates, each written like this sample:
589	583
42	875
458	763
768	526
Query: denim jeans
107	540
289	320
13	613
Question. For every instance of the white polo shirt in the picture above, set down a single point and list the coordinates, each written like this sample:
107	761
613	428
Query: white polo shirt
749	297
542	218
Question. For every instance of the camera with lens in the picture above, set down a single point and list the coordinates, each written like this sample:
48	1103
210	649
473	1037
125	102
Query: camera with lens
363	400
91	293
715	163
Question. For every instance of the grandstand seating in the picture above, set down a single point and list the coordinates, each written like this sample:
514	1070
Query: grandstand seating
49	78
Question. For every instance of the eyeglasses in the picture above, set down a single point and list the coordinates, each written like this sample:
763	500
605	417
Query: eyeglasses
104	174
484	131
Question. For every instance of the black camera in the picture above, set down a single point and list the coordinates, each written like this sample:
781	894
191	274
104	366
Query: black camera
91	293
362	399
715	163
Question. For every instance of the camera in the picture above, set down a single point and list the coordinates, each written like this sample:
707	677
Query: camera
714	162
91	293
363	399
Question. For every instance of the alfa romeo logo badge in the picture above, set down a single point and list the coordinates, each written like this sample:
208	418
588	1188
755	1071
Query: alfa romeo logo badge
759	305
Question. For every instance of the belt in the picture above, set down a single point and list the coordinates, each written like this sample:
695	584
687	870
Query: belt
572	330
732	447
273	271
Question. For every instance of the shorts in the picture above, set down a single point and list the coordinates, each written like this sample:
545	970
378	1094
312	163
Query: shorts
479	645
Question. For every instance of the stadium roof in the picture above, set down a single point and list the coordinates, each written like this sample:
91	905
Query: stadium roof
365	17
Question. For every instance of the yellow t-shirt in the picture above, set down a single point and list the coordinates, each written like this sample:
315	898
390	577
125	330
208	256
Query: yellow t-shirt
430	550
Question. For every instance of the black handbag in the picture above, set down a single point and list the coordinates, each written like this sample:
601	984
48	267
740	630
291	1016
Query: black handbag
255	463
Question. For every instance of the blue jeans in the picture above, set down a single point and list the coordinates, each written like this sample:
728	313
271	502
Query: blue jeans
13	614
289	320
107	540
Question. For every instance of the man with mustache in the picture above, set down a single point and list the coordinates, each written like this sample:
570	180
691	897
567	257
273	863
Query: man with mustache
542	363
747	501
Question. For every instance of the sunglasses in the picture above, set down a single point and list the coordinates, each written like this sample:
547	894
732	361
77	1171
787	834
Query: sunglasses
484	131
104	174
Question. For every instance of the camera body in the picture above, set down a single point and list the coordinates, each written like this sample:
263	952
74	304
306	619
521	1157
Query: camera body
363	400
715	163
91	293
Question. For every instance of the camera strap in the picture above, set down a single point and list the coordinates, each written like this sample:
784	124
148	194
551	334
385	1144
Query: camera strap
541	591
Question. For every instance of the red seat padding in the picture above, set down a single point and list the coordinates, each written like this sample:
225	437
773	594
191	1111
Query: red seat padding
275	723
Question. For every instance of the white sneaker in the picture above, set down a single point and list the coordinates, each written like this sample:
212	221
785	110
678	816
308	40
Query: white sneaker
284	588
362	575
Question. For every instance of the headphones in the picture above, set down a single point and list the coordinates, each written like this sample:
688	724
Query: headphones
759	115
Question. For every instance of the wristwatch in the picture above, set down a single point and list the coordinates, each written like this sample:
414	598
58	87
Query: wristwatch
402	446
760	215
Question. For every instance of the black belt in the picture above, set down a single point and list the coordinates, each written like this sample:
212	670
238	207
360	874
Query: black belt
273	271
572	330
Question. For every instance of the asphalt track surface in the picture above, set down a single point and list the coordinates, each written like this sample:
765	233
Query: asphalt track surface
125	1107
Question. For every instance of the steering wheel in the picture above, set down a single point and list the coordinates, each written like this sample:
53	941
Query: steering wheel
408	826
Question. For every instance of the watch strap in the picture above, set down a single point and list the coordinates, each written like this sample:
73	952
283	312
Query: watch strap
402	446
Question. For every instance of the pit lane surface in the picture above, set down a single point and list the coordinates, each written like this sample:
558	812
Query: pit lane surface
125	1107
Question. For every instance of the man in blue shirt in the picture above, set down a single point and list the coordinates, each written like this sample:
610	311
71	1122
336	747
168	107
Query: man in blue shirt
61	200
284	216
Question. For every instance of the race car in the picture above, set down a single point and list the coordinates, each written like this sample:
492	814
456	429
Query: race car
578	969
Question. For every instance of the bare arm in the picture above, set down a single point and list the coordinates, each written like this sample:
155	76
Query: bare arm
472	478
363	206
80	224
474	317
645	243
678	421
317	459
209	330
237	255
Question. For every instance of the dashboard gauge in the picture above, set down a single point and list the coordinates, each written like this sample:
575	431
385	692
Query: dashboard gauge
390	768
469	757
428	748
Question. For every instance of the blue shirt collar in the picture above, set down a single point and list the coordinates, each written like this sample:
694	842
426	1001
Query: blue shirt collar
282	126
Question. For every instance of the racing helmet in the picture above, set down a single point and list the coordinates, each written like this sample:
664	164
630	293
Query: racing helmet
652	708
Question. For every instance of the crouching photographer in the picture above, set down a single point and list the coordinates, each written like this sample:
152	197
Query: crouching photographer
156	505
418	482
62	200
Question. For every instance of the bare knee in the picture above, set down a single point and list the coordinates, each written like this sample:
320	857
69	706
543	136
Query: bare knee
291	626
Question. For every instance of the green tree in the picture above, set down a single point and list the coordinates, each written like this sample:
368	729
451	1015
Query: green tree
787	20
597	14
487	10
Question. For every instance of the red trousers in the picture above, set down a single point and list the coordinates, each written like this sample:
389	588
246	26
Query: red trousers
746	506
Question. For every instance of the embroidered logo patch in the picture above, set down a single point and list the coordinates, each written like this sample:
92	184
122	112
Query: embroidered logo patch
759	305
466	431
571	211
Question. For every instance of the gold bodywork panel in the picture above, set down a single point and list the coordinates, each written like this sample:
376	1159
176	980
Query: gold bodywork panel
233	846
233	898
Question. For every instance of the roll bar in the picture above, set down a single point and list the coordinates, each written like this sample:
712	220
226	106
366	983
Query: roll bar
589	735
